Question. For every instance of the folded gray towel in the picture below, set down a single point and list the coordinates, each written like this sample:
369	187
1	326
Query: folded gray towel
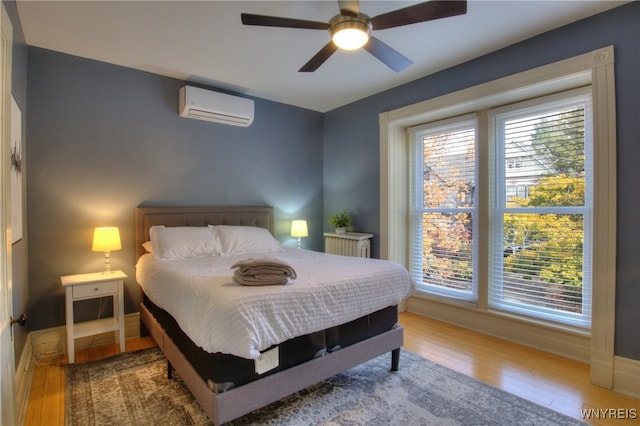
265	271
263	279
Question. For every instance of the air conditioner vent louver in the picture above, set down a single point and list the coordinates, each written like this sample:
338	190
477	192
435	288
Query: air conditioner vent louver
201	104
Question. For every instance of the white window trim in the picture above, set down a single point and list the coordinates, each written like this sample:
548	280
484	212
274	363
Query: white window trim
595	68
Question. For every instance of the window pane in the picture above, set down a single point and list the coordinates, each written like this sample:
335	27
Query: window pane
447	257
543	261
545	149
449	169
539	264
444	173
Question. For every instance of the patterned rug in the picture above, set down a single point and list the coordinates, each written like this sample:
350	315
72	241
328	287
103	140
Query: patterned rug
132	389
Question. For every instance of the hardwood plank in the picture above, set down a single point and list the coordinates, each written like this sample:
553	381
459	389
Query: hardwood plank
36	396
53	401
547	379
47	394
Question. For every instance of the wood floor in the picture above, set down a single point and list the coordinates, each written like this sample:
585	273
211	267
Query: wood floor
549	380
46	399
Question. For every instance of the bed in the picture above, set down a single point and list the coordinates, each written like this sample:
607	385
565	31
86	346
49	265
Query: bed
237	355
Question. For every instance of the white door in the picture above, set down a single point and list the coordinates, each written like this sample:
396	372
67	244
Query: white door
7	361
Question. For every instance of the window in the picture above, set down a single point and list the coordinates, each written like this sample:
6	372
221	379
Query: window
444	209
539	249
592	70
539	208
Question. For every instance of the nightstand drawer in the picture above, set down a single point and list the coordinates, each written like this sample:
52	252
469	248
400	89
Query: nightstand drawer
95	289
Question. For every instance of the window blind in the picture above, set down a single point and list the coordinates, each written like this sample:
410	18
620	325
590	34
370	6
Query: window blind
443	208
540	234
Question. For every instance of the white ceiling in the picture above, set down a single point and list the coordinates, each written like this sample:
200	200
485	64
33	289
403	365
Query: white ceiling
205	41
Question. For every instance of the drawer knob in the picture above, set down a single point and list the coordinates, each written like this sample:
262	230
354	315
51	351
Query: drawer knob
96	289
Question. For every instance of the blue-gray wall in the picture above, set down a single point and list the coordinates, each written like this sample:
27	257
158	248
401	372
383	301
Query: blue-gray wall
351	138
103	139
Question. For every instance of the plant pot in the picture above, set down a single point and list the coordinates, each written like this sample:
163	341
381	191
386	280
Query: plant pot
341	230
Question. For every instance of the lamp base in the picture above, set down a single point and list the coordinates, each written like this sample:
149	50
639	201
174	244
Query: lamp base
107	262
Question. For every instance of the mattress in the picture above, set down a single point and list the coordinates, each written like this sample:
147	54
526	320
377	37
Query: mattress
221	316
222	372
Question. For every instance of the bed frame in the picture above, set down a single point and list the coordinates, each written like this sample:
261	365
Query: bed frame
236	402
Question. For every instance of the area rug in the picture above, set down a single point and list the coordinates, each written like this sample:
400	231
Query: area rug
132	389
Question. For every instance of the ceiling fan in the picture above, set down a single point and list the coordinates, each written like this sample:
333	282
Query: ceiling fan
351	29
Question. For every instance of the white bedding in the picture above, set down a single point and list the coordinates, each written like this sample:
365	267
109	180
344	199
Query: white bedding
220	315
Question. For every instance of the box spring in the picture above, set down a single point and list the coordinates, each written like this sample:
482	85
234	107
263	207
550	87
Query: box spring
224	371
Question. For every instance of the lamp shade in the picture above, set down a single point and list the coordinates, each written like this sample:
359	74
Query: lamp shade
106	239
299	228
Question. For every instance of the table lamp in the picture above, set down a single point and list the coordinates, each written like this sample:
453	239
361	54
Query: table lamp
299	230
106	239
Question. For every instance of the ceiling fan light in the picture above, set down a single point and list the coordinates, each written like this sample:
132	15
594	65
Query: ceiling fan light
350	39
350	34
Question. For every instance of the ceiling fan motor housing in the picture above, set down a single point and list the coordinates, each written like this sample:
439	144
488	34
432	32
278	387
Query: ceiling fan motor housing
358	27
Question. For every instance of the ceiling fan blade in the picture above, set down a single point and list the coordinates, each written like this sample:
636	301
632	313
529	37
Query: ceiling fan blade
387	55
349	8
421	12
275	21
319	58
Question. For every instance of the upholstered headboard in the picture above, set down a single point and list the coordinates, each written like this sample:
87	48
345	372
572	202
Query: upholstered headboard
146	217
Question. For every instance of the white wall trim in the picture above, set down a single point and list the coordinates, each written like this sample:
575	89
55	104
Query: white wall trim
554	340
594	68
51	343
604	216
8	391
625	371
626	376
24	376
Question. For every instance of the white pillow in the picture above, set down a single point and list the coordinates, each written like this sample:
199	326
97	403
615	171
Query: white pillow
245	239
148	246
181	242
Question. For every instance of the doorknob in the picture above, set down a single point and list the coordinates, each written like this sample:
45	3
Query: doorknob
21	320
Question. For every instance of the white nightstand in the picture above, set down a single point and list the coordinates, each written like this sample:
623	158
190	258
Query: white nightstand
91	286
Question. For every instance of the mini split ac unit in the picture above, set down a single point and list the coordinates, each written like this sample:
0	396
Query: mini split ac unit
206	105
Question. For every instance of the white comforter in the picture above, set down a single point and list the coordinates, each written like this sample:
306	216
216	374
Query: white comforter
220	315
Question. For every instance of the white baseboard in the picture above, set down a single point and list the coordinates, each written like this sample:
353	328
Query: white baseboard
570	345
601	364
24	376
52	342
626	376
626	372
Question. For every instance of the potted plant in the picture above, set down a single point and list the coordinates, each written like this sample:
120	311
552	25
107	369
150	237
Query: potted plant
340	222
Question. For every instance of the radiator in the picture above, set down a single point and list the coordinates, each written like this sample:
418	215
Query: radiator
348	244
